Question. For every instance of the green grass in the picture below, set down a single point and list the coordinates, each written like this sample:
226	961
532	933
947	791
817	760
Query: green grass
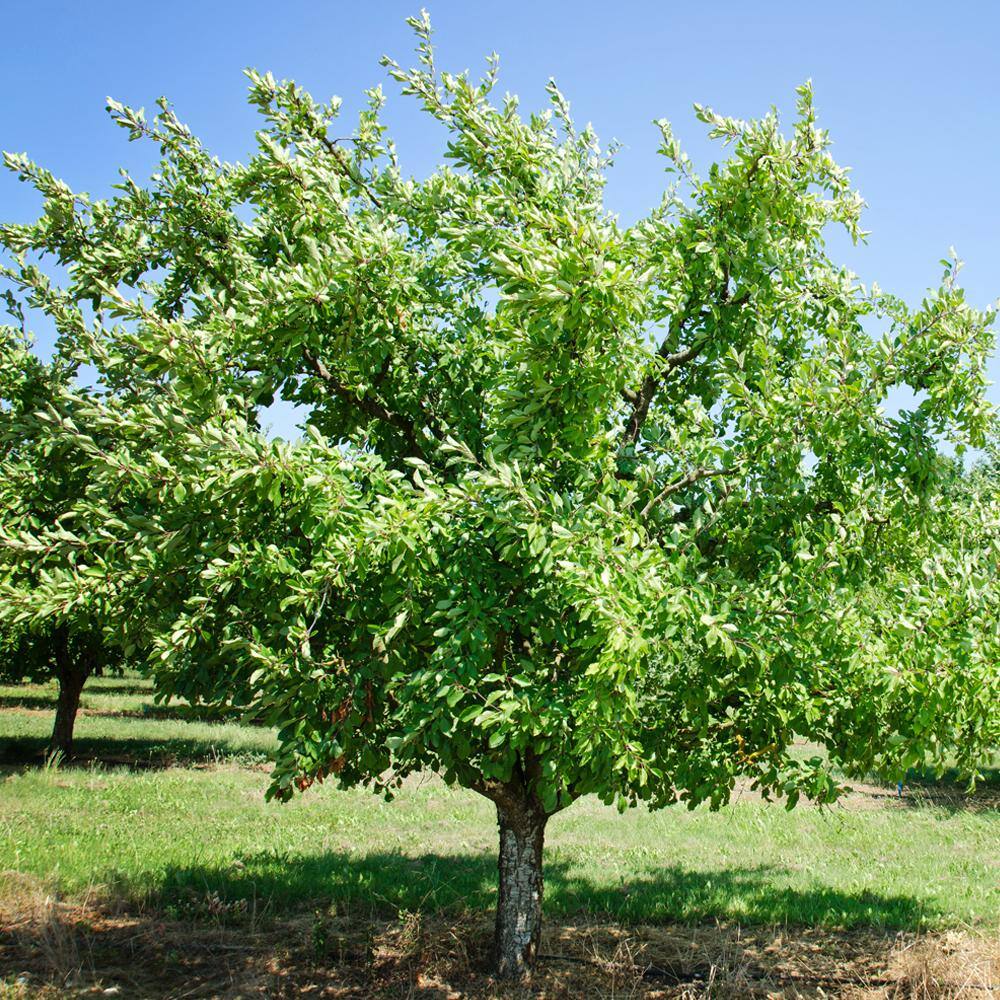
24	736
177	835
119	721
174	836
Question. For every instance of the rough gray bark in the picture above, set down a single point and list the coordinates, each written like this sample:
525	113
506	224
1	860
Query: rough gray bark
72	675
519	905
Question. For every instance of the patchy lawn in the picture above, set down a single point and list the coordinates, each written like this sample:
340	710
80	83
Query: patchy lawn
177	861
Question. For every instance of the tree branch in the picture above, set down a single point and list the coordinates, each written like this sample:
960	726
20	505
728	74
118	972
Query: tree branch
670	361
651	383
689	479
367	404
345	168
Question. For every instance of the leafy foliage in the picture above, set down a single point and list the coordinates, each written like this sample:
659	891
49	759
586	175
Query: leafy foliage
579	508
42	478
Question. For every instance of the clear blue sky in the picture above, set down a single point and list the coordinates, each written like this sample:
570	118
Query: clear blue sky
909	91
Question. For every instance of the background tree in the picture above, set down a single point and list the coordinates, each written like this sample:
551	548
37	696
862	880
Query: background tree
581	508
39	481
70	654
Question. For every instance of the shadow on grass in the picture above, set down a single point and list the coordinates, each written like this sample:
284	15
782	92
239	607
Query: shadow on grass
178	711
141	754
950	792
40	701
150	953
118	685
387	884
953	779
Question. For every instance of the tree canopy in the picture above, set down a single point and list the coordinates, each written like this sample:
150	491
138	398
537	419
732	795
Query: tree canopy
579	507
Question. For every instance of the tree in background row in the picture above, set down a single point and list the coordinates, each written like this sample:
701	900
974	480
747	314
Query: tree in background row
580	508
68	654
40	479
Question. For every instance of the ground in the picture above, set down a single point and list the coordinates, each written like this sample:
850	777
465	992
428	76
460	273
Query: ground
153	867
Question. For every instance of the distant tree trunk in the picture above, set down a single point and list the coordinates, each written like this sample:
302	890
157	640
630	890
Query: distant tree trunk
71	674
519	904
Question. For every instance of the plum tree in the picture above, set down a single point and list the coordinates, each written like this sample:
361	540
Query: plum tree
579	507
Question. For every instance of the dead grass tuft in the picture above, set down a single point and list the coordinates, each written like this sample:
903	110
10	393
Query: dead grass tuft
43	928
950	966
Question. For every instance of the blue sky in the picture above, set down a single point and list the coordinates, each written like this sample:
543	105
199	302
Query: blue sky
908	91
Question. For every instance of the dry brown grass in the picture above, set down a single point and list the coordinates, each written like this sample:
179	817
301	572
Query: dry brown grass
41	925
50	948
950	966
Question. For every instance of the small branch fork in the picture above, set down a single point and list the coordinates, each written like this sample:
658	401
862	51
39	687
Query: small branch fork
343	164
651	383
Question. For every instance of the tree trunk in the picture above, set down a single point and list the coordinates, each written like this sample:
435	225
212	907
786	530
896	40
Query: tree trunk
72	675
519	905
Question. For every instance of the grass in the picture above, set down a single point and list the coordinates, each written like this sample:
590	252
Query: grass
158	845
24	736
120	722
182	835
130	695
